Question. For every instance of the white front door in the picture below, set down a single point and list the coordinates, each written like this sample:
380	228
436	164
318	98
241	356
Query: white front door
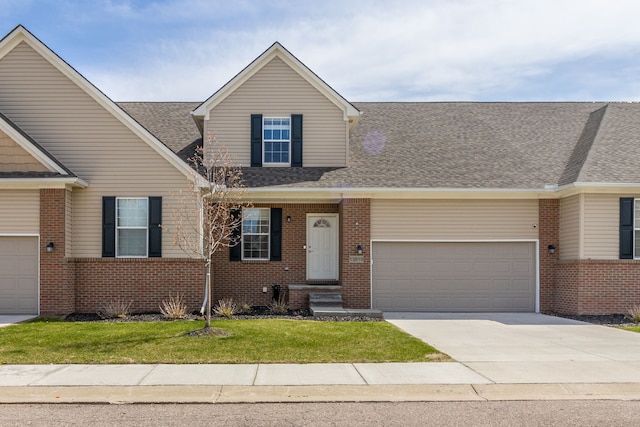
322	246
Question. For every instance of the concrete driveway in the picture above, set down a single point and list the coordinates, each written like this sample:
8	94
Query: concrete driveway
529	347
10	319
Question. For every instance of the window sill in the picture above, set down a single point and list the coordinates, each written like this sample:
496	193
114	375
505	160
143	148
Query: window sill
276	165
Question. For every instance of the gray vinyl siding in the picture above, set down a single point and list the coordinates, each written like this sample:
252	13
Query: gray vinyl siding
454	219
570	228
602	226
278	91
90	141
14	158
19	212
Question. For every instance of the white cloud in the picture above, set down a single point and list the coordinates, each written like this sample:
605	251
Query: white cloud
376	50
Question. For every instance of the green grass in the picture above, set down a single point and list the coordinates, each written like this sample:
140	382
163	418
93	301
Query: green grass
249	341
631	328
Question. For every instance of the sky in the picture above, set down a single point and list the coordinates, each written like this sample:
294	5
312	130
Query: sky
367	50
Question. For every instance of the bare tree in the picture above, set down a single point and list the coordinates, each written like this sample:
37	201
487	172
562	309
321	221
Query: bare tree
209	214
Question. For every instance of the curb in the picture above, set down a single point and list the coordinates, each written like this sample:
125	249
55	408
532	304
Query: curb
305	394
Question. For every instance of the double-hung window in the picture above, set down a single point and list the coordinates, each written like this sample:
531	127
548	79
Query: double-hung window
132	223
132	227
256	224
276	139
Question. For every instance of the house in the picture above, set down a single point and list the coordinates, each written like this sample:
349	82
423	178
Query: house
397	206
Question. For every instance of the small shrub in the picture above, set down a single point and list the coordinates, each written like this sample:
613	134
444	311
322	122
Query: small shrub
281	306
117	309
174	308
633	313
244	308
226	307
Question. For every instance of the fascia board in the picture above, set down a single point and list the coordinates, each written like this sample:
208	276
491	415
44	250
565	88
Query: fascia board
276	50
37	183
395	193
308	194
599	187
20	34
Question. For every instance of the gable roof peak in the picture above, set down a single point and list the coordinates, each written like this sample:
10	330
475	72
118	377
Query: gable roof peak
20	34
201	113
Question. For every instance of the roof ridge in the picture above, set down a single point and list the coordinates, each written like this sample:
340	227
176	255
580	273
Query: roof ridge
581	151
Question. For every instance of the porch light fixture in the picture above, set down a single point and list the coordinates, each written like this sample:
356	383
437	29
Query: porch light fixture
552	249
288	218
50	247
359	249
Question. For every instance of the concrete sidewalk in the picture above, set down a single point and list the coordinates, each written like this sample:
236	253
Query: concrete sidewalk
448	381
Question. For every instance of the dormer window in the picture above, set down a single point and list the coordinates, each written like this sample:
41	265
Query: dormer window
276	141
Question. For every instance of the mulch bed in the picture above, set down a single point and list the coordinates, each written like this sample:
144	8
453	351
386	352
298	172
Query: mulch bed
263	313
607	320
255	313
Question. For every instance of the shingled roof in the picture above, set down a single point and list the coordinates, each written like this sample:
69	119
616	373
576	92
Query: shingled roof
451	145
170	122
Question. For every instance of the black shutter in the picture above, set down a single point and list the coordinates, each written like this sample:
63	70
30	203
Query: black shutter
276	234
256	140
155	228
235	251
108	227
296	140
626	228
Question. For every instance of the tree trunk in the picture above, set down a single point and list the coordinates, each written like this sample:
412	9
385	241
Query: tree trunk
209	296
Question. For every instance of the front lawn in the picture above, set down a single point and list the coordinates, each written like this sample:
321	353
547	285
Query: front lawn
635	328
249	341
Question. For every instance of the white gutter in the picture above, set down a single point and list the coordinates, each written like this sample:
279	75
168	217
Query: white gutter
549	192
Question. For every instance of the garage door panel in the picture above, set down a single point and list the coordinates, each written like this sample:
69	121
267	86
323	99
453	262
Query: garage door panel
480	267
18	275
454	276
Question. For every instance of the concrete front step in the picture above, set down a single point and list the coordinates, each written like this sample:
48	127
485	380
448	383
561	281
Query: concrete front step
327	299
344	312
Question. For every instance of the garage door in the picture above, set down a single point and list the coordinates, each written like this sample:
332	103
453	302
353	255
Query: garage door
18	275
454	277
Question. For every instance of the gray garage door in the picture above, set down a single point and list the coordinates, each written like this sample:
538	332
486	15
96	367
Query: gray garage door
18	275
454	277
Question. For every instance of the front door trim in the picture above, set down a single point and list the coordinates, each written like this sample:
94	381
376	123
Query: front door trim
333	273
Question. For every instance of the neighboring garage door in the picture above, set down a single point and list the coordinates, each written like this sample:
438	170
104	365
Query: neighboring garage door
454	277
18	275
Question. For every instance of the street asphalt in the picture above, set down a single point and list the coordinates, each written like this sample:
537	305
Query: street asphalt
497	357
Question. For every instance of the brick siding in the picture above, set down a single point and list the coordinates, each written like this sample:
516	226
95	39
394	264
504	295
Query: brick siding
57	292
86	284
582	286
597	286
244	280
145	282
355	229
548	234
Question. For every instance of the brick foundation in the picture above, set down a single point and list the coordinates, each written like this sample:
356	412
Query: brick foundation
597	287
145	282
